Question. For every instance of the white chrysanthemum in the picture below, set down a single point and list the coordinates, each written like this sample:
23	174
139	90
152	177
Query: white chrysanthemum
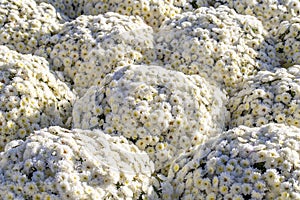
77	164
288	42
31	96
218	44
163	112
243	163
268	97
25	25
70	9
270	12
90	47
153	12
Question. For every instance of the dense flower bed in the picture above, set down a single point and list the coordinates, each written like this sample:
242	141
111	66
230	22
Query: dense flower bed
158	99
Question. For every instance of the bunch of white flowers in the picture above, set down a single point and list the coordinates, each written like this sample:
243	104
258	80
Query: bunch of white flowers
218	44
149	87
31	96
288	42
243	163
24	25
268	97
90	47
163	112
56	163
270	12
153	12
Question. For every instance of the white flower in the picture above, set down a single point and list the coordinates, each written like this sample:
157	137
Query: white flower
32	96
251	175
220	55
27	29
135	105
70	160
268	97
156	75
87	56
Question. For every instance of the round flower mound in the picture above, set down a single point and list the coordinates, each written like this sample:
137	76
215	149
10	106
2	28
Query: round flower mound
90	47
218	44
163	112
268	97
243	163
55	163
270	12
153	12
31	96
288	42
24	25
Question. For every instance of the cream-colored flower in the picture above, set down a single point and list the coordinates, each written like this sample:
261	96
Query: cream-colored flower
72	161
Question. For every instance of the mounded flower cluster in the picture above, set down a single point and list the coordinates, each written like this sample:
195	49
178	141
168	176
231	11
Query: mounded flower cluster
90	47
55	163
163	112
24	24
70	9
31	96
216	43
243	163
268	97
270	12
153	12
288	42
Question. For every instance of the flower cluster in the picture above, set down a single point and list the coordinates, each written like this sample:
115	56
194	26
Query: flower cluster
153	12
243	163
268	97
24	25
90	47
31	96
288	42
150	88
69	9
163	112
216	43
270	12
55	163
